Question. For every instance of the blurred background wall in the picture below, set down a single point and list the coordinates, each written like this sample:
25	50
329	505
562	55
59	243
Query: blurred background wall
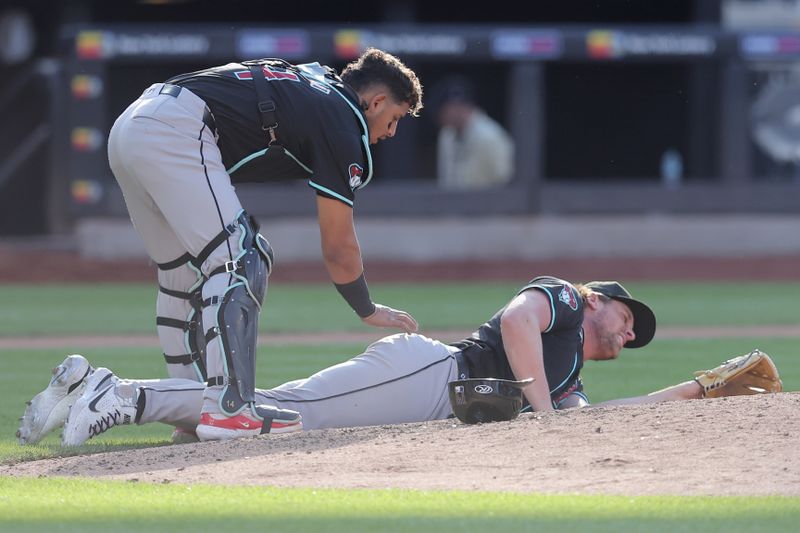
639	127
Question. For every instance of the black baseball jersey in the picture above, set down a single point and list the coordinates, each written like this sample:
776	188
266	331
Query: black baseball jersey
562	341
321	135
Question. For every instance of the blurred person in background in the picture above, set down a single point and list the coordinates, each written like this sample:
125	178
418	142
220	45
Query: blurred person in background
473	151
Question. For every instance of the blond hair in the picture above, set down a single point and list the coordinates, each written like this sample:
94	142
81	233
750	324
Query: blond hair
585	291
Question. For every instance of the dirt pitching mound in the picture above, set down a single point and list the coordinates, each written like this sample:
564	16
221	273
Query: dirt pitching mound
744	445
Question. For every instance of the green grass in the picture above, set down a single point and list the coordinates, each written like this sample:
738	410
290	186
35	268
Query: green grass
130	308
712	304
83	505
667	362
28	372
88	505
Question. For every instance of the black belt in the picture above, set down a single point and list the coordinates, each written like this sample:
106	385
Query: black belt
208	119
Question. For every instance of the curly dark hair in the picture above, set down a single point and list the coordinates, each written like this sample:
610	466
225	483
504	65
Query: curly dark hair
376	66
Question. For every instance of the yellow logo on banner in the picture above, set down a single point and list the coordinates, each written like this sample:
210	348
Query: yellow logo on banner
84	87
600	44
86	191
86	139
89	45
347	43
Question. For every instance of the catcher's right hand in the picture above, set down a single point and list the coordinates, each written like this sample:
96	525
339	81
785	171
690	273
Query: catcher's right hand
751	373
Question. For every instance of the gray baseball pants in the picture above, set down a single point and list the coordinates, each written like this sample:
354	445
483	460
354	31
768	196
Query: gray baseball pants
400	378
179	197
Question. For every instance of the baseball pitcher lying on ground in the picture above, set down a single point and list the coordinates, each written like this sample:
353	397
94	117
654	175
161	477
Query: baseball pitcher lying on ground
545	332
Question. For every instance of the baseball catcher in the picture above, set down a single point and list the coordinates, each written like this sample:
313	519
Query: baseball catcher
751	373
179	151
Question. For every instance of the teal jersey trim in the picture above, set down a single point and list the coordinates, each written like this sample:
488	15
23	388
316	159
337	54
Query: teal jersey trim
290	154
328	191
552	304
260	153
364	138
574	366
246	160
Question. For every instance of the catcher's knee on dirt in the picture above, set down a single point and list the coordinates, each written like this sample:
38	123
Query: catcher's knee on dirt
181	310
236	290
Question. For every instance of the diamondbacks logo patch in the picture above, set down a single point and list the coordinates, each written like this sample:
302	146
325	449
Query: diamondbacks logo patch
356	173
568	297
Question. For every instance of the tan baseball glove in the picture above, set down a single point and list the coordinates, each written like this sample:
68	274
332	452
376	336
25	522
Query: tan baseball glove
751	373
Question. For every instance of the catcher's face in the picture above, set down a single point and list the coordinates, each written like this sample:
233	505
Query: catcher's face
614	327
383	114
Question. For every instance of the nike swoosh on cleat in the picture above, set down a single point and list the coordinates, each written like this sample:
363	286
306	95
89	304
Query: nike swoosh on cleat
77	383
108	376
96	399
55	378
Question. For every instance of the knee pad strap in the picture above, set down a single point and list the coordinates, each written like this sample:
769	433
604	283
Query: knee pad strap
192	326
254	263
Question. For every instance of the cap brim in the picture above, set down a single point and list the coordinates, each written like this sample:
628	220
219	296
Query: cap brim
644	322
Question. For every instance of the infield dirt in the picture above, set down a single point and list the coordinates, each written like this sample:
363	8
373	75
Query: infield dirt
743	446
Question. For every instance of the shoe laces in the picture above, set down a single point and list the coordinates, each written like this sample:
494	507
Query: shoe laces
105	423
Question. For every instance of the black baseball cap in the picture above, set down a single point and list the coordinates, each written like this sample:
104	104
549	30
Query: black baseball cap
644	320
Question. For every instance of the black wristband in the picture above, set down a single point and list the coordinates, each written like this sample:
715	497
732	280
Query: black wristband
356	293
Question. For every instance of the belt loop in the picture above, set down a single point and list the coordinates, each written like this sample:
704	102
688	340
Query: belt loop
174	91
170	89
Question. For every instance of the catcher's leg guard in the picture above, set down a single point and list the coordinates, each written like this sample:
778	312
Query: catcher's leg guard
234	293
179	318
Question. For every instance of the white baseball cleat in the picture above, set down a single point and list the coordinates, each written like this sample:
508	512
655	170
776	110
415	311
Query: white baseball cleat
105	403
267	419
49	409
